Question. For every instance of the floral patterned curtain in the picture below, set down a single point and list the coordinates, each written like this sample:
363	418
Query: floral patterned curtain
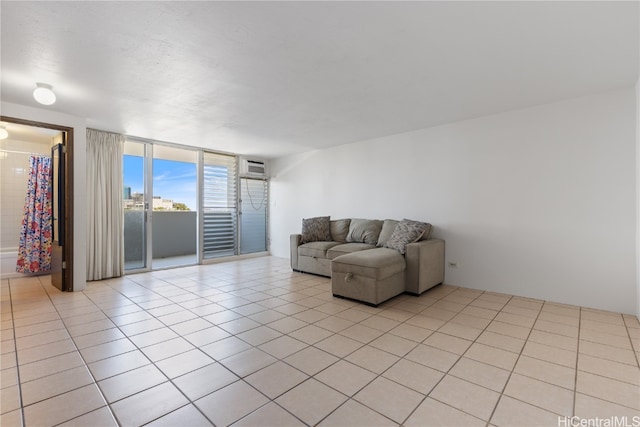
34	251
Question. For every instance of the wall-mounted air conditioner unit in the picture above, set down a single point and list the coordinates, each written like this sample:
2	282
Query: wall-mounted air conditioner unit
253	168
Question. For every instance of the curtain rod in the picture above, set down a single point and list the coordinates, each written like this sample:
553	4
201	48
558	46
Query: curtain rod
23	152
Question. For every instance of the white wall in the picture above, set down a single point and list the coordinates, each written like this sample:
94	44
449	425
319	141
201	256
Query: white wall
79	170
537	202
638	198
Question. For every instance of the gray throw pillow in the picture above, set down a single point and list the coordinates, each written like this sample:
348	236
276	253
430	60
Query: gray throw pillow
316	229
387	230
407	231
339	230
364	231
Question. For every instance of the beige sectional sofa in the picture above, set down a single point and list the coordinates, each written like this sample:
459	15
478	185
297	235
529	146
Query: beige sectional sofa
369	260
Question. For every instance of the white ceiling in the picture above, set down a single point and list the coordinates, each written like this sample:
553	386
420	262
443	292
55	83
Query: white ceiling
275	78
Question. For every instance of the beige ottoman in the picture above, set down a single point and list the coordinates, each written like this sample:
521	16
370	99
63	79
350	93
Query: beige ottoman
371	276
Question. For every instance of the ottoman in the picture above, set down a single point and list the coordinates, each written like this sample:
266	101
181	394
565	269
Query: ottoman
371	276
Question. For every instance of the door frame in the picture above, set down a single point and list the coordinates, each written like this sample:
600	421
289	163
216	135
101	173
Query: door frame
67	254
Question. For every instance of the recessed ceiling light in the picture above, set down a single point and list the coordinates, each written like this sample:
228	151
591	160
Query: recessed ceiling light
44	94
3	133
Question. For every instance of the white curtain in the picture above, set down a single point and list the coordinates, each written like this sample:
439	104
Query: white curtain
105	225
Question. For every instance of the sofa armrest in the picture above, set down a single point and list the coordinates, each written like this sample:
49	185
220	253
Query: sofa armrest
294	242
425	265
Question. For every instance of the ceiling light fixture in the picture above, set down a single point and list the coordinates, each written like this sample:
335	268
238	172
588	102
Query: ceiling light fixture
44	94
3	133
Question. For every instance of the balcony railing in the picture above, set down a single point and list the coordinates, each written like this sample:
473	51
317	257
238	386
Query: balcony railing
174	234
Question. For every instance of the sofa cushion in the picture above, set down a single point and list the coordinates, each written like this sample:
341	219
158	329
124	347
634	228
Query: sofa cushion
377	263
316	249
339	229
347	248
407	231
388	226
364	231
316	229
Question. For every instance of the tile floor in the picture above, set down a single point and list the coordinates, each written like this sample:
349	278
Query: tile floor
250	343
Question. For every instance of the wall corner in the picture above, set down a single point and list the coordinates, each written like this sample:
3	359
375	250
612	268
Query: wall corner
637	117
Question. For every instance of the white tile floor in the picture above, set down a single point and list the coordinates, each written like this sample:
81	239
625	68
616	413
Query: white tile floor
250	343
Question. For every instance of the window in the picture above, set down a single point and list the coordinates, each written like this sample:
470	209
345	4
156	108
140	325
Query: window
219	205
185	205
253	214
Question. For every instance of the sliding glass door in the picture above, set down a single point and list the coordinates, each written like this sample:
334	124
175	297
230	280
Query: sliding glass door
135	206
160	206
174	219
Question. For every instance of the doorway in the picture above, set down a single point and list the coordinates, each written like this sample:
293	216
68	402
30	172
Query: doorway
61	269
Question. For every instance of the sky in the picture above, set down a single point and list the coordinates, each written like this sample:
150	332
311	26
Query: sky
171	180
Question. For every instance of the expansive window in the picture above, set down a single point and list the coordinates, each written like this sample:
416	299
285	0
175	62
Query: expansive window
183	206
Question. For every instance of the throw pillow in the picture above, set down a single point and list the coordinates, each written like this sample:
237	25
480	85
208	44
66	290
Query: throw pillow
339	230
427	232
407	231
316	229
364	231
387	230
